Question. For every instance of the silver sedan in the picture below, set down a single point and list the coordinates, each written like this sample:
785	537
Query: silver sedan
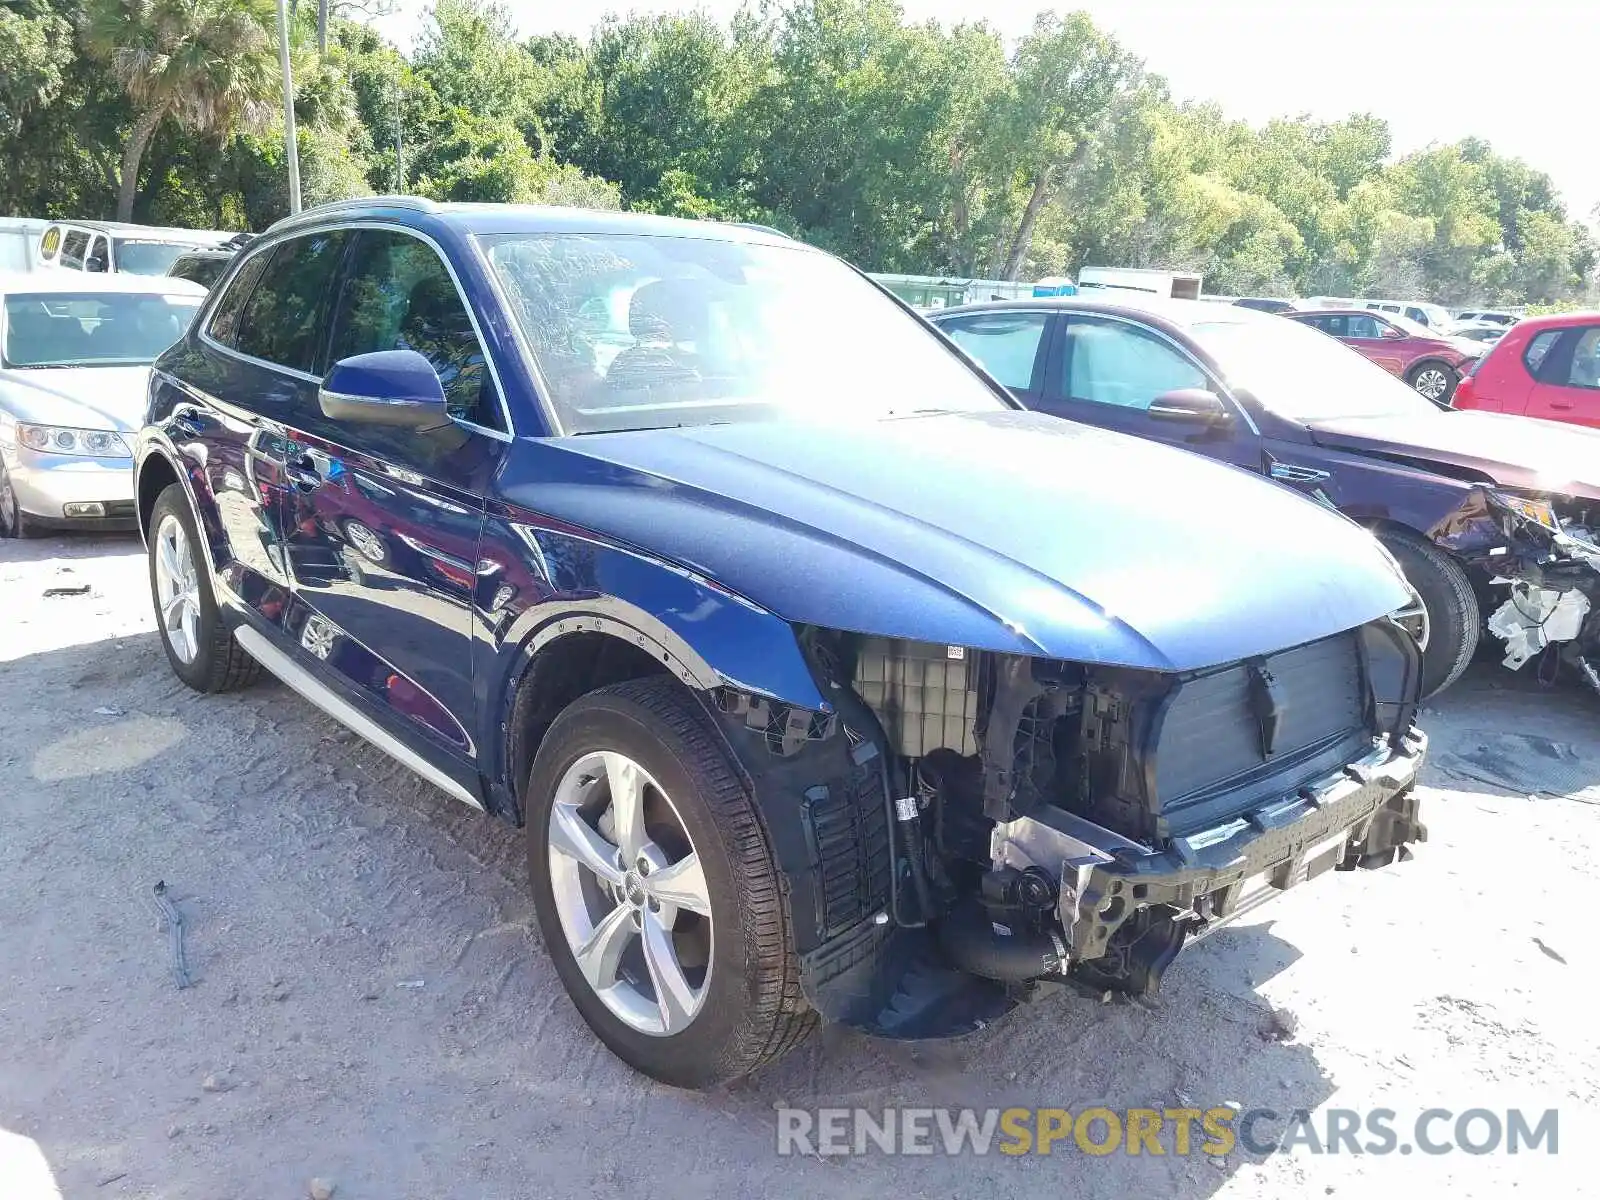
75	355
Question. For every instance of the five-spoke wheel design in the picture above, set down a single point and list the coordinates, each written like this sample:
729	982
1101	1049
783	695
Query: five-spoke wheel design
177	588
630	893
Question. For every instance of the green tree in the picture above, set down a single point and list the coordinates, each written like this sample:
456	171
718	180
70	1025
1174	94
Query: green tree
207	64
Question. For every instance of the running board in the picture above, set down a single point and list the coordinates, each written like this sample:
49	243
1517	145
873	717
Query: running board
347	714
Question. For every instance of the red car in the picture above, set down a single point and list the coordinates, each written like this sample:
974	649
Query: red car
1430	362
1545	367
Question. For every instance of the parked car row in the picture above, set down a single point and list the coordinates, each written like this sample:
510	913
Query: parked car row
828	681
1430	362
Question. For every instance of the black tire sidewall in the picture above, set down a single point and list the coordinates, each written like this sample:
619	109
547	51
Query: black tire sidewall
1451	375
1447	630
606	721
18	526
199	673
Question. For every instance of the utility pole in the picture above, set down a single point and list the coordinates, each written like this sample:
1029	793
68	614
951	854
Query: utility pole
399	136
291	148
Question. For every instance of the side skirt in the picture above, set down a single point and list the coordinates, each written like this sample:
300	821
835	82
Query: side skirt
347	714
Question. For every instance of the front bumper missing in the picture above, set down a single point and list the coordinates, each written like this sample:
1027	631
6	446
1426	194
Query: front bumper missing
1126	910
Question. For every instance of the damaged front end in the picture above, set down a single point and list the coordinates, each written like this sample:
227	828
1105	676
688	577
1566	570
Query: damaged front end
1537	562
974	824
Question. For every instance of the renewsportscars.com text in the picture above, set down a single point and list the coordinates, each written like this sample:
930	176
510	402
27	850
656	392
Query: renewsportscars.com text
1180	1132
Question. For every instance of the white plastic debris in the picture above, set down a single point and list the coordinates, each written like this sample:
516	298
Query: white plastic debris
1534	617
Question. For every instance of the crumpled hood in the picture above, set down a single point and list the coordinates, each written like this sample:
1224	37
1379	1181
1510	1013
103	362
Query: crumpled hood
1002	530
78	397
1508	450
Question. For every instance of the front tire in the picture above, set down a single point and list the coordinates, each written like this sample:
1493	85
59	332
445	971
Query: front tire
199	646
1454	620
14	522
656	890
1435	381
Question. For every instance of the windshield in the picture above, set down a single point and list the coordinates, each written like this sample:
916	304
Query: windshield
636	331
65	329
149	258
1303	374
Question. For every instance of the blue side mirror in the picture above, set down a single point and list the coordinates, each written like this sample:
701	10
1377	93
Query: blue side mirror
386	387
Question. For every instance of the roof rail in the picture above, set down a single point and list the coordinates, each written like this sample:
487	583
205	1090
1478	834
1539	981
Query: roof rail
417	203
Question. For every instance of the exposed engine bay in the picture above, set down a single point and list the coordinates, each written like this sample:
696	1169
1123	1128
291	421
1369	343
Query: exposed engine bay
1537	565
1002	822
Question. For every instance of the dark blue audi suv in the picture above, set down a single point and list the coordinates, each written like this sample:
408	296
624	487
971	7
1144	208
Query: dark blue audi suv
826	682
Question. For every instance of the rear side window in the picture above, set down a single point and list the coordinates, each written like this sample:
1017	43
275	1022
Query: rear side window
1585	369
1534	355
280	322
225	316
72	249
1005	344
398	295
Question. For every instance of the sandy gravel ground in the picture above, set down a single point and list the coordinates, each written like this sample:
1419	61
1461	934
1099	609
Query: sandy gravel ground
372	1005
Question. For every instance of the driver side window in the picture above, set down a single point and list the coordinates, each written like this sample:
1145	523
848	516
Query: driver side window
1360	326
1114	363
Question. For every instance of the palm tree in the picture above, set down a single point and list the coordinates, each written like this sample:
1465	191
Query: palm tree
210	65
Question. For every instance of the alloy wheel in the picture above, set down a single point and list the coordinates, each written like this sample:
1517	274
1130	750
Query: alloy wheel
177	589
630	893
1432	383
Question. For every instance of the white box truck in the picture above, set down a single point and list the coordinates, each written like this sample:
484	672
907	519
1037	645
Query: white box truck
1180	285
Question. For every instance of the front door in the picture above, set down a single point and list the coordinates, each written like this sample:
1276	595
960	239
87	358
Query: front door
1108	371
383	526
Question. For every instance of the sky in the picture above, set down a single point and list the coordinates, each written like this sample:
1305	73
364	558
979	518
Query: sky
1521	75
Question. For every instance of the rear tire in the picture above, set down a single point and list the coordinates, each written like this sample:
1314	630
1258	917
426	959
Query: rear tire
1434	381
1454	621
747	1008
203	654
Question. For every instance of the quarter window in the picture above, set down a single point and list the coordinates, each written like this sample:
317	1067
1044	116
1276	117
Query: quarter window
398	295
1108	362
280	322
1006	344
1534	355
72	249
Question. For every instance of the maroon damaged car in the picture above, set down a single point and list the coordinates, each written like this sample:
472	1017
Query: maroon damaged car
1494	519
1429	361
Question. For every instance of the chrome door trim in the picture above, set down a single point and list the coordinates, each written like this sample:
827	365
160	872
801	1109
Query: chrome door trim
347	714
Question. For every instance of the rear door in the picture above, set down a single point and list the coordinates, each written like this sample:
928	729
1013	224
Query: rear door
1009	344
1567	382
232	390
383	523
1107	371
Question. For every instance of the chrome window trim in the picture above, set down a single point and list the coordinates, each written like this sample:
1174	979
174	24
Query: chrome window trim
271	239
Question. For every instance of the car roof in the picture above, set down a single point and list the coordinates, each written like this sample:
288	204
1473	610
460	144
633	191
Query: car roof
158	233
1175	314
1330	312
36	282
531	218
1559	320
